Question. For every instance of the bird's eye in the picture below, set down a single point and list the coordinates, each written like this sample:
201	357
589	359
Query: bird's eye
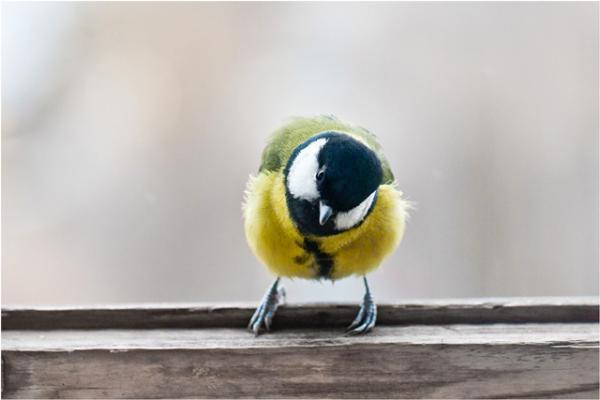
320	175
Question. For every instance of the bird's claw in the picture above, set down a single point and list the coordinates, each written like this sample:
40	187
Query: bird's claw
366	317
267	308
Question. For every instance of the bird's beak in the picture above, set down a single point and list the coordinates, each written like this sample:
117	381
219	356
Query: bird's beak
324	213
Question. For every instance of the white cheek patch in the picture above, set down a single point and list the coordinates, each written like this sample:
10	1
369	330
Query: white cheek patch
348	219
301	180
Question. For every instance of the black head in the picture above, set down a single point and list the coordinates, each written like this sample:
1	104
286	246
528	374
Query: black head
348	172
331	183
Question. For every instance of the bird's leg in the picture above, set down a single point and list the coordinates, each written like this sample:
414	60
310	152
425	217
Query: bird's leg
266	310
367	315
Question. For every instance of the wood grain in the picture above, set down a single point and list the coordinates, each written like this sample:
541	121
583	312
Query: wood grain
456	311
487	348
451	361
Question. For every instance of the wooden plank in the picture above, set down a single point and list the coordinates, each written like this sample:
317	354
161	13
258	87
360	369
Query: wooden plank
418	361
472	311
485	348
580	334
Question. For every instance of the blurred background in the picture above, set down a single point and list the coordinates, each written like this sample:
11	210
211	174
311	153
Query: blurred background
129	131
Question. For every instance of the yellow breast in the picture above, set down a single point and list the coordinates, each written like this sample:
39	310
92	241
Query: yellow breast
275	240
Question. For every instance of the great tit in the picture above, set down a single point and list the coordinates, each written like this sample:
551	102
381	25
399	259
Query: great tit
324	205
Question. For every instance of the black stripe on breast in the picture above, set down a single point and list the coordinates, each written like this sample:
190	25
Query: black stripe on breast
324	260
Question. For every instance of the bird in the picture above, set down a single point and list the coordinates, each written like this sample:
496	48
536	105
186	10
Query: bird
324	205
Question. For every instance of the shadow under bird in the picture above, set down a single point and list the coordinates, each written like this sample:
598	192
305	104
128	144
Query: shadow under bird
324	205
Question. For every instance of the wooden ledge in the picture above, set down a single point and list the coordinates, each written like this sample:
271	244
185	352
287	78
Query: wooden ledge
490	348
554	335
153	316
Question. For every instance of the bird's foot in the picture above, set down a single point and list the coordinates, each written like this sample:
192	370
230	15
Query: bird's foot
366	317
267	308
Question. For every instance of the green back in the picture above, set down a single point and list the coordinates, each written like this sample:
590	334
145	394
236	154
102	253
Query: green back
300	129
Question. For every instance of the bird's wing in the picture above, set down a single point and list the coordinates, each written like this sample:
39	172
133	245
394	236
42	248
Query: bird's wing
299	129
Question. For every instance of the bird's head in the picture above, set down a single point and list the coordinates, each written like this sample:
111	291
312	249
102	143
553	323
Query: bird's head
331	183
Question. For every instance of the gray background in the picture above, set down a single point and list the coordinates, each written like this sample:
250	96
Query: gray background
129	131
